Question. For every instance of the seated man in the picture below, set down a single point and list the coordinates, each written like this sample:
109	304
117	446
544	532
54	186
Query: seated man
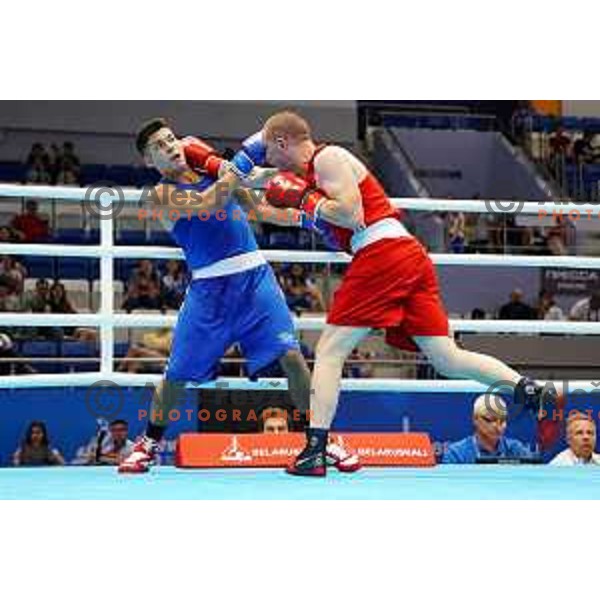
581	438
274	419
108	447
488	441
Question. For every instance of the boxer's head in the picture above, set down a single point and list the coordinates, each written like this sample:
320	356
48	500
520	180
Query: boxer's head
289	142
159	146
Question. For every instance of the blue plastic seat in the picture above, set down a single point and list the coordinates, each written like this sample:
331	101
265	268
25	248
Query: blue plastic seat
12	171
39	267
74	349
121	349
42	349
131	237
121	174
73	268
70	236
161	238
91	174
143	176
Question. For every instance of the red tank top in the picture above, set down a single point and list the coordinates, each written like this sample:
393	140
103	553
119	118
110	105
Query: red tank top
376	204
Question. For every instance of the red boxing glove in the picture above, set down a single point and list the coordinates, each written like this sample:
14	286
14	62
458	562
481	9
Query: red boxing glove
199	155
286	190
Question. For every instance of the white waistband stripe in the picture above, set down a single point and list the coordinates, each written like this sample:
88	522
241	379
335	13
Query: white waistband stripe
384	229
231	265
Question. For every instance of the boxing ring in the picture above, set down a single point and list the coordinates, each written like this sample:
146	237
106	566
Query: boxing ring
167	482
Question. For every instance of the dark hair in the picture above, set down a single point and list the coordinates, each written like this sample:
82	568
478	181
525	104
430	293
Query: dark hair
273	410
41	425
119	422
147	130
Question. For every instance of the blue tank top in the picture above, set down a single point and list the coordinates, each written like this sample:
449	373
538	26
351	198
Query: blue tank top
224	234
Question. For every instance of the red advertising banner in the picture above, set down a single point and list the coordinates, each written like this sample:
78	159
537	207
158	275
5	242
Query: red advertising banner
205	450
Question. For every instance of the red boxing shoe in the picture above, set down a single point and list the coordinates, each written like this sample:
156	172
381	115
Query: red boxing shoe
141	458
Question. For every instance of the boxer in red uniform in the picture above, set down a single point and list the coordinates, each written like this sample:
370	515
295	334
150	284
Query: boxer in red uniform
390	284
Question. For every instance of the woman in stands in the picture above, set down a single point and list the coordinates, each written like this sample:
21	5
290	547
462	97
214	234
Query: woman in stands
60	303
35	449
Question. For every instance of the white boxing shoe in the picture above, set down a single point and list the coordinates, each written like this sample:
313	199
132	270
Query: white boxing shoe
342	459
141	458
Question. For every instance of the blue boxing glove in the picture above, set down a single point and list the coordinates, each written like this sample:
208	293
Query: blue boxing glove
253	154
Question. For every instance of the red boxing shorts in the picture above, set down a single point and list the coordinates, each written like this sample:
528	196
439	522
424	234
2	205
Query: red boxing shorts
392	285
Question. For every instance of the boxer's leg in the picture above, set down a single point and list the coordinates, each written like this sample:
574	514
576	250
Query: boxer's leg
451	361
298	376
335	344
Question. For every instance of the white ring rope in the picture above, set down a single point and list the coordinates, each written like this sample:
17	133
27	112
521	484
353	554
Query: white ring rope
311	323
241	383
107	320
497	206
301	256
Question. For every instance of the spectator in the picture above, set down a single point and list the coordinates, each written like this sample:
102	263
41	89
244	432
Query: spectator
581	439
7	351
557	236
106	447
59	303
174	284
559	143
55	160
301	293
522	122
32	225
10	299
143	288
38	154
357	366
68	155
478	314
587	309
456	232
10	235
38	300
142	293
548	310
35	450
145	268
516	309
156	345
583	148
274	419
488	441
38	165
68	174
14	271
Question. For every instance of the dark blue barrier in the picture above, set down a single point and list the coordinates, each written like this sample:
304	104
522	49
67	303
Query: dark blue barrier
71	422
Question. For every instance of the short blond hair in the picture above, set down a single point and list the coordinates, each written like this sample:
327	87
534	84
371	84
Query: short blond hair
576	415
287	124
490	404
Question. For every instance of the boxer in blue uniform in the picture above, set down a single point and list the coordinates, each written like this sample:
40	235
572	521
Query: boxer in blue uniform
233	296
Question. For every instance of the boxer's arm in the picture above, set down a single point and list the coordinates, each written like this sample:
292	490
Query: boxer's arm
334	176
211	199
260	210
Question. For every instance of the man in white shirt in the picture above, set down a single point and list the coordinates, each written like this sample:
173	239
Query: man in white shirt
581	437
587	309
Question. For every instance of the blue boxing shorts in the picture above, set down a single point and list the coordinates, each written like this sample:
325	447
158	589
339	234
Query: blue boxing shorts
247	308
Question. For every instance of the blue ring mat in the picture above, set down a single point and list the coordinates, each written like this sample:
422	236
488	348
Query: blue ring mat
451	482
